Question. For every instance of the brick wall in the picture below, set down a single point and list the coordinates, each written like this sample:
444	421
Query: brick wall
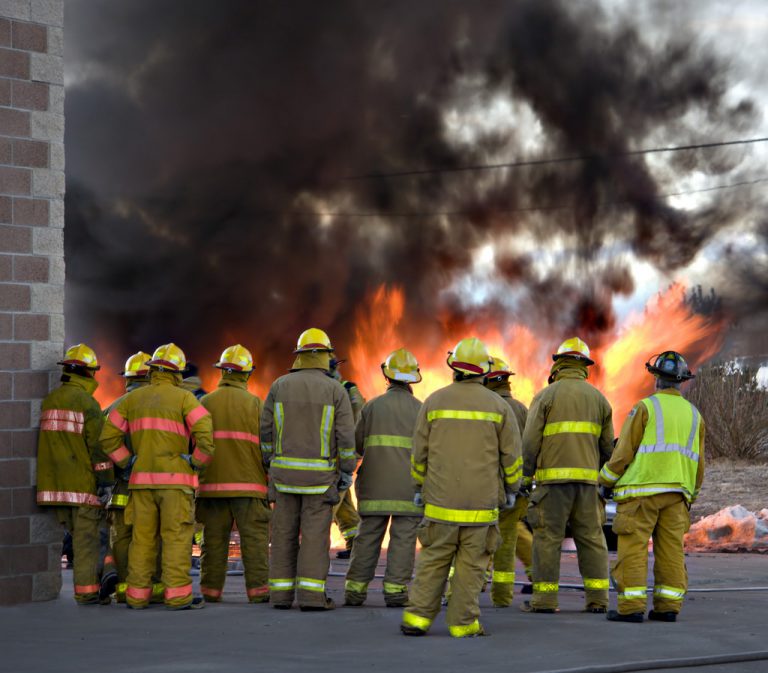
31	282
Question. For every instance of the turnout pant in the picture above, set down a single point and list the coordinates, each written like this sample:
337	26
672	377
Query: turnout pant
345	516
83	524
470	549
300	568
167	515
553	506
400	558
252	517
663	517
524	549
119	542
503	579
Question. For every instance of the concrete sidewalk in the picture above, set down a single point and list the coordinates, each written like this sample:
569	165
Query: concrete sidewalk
234	636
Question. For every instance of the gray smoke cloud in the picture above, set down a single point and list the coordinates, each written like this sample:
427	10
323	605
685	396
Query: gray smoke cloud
206	142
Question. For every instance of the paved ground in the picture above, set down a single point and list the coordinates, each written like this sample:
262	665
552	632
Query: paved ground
234	636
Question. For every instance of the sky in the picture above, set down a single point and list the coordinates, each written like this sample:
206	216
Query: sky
209	153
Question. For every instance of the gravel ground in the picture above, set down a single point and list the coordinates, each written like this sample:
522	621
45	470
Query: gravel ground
728	482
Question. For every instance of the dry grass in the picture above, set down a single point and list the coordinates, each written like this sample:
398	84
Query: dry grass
732	482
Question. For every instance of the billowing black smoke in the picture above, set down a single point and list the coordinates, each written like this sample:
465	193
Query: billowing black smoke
207	142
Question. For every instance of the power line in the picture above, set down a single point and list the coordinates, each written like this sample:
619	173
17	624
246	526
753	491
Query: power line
527	209
555	160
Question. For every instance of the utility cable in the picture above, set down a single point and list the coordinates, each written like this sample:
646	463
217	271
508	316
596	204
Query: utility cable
527	209
556	160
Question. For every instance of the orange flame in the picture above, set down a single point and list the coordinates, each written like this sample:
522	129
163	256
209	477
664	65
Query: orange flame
665	324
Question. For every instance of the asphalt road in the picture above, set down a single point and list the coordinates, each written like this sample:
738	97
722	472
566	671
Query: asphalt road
60	636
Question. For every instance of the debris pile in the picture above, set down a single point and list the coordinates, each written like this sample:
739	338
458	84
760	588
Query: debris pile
732	529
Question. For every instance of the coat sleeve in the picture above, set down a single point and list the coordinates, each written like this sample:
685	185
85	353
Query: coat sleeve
420	450
256	425
360	431
114	435
510	450
533	435
266	433
626	448
605	443
93	426
344	428
200	425
700	469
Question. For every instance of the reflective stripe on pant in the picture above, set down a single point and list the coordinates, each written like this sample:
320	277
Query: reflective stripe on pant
120	540
252	517
470	548
300	566
167	515
345	516
400	557
83	524
552	506
503	582
663	517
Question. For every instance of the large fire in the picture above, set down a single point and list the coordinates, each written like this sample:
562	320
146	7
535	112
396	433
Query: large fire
666	323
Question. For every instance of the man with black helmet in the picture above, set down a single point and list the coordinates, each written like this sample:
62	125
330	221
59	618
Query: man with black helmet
656	472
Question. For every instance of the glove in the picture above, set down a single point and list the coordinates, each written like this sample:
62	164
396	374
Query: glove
604	492
105	494
418	500
525	491
186	457
345	481
125	473
510	503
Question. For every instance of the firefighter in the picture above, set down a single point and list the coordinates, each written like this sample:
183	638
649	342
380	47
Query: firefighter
465	438
74	476
136	375
307	441
158	421
568	436
345	516
233	488
383	438
656	472
503	578
192	381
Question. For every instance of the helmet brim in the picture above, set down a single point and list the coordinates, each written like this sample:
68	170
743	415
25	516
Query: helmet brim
78	363
575	356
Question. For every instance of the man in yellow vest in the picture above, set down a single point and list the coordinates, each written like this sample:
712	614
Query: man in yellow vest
568	436
74	476
160	419
466	438
233	488
656	472
384	493
308	442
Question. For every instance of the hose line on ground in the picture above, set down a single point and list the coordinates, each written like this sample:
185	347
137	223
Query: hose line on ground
662	664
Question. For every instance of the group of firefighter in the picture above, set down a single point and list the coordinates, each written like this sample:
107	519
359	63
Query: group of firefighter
461	472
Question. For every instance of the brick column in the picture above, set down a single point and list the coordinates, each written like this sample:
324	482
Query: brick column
31	282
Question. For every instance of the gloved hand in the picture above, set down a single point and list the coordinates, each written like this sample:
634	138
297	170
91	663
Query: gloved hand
345	481
418	500
604	492
104	493
525	491
188	459
511	499
125	473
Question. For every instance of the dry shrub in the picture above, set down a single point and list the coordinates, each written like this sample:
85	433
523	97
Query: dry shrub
735	410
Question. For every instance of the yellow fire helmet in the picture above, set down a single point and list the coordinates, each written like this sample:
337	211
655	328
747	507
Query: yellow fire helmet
499	368
313	340
573	348
470	356
401	365
80	355
170	357
236	358
136	366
